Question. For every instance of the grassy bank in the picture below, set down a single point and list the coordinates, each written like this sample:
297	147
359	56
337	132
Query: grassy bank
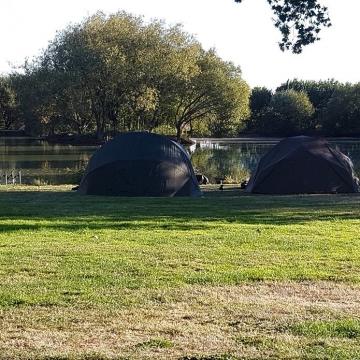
227	276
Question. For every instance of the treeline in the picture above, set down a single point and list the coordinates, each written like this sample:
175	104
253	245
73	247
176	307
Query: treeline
116	73
326	108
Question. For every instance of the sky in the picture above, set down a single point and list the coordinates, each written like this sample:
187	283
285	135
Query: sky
242	33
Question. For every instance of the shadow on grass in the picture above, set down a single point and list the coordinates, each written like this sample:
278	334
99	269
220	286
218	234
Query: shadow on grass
77	224
69	211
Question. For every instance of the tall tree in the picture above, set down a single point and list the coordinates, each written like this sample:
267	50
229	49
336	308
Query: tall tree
214	93
259	100
288	113
319	93
9	111
167	62
342	114
33	90
299	22
118	73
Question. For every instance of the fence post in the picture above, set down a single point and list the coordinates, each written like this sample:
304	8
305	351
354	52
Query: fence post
13	177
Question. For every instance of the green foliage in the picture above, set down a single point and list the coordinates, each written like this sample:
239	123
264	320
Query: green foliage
331	109
35	103
259	101
289	113
341	117
116	73
228	95
299	22
9	111
200	129
319	93
165	129
203	161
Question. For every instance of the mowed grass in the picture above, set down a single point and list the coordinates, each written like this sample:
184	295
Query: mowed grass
226	276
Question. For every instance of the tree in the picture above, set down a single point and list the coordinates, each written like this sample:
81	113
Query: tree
213	92
34	89
93	72
301	19
230	97
167	69
118	73
9	111
342	114
319	93
259	100
288	113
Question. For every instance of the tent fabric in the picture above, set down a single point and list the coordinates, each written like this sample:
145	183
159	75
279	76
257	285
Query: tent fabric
140	164
303	165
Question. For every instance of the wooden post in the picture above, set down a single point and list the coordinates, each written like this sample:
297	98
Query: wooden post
13	177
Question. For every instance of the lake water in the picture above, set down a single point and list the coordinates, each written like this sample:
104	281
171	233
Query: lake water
238	158
40	162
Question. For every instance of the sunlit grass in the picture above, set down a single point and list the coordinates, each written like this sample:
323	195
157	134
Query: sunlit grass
67	260
345	328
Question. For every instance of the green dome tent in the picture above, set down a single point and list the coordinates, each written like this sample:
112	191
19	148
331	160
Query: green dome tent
303	165
140	164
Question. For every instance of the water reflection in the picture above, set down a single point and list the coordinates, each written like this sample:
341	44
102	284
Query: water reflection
228	158
59	164
238	158
42	162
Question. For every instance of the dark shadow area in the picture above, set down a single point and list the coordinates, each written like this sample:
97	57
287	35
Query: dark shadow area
74	212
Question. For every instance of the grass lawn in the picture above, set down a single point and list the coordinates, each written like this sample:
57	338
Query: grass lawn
226	276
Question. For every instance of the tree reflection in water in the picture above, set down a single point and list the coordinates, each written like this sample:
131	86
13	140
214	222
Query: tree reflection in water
59	164
237	159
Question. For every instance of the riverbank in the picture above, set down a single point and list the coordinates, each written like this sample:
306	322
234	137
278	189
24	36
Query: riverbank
70	139
12	133
79	140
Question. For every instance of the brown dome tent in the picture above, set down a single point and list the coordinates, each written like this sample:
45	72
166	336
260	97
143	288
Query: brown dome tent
303	165
140	164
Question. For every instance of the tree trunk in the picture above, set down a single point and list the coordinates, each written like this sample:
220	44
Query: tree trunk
178	132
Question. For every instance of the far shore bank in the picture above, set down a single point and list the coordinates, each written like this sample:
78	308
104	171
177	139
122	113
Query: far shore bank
92	140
